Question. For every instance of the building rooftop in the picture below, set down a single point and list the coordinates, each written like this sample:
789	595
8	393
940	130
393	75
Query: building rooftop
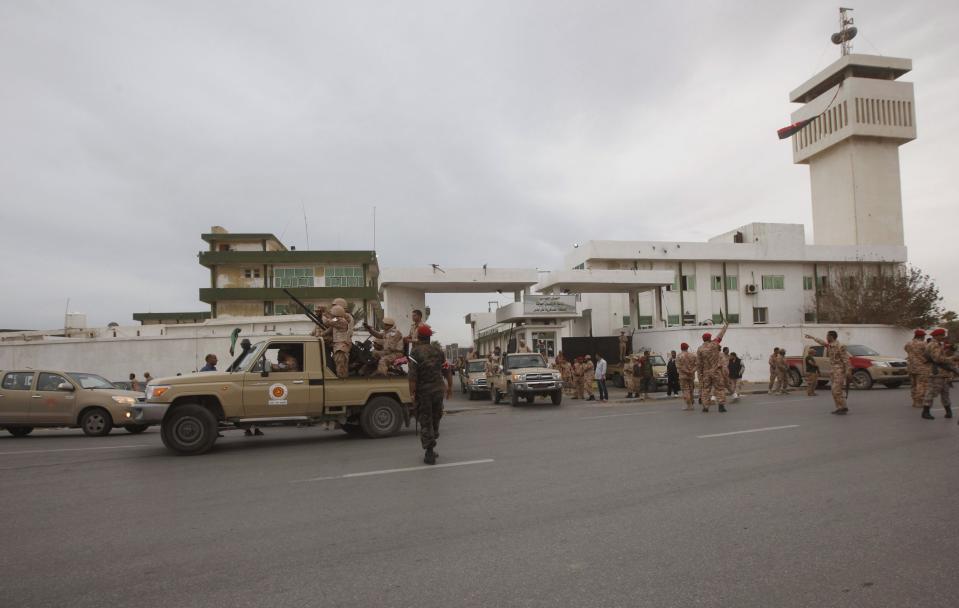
854	65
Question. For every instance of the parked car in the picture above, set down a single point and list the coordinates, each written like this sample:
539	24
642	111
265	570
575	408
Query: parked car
869	368
47	398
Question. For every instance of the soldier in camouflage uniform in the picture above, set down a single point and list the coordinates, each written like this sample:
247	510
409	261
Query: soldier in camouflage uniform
840	371
428	370
714	384
724	361
578	383
773	370
781	370
339	331
686	365
937	365
916	365
628	378
391	340
588	373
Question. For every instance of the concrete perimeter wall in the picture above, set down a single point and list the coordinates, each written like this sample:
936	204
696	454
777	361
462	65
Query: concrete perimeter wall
182	349
754	343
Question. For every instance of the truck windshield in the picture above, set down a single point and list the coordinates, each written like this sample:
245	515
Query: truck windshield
245	358
657	360
858	350
518	361
90	380
477	366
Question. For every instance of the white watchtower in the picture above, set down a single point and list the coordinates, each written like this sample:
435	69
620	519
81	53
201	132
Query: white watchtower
853	149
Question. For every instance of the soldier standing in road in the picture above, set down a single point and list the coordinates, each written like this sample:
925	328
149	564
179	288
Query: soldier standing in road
629	378
578	372
392	341
588	372
724	361
938	363
428	371
781	370
686	365
916	365
947	378
645	375
672	375
812	373
715	383
840	369
773	369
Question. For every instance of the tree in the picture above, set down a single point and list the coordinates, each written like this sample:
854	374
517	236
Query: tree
905	297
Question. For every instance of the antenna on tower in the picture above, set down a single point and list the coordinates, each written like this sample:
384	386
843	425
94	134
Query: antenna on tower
306	227
847	31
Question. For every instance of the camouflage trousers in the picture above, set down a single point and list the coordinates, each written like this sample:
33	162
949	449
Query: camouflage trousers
773	380
936	386
429	411
386	360
686	386
837	383
579	386
812	381
342	361
588	386
630	382
783	381
918	384
714	385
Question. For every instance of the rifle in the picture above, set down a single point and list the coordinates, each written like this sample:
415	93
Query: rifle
306	310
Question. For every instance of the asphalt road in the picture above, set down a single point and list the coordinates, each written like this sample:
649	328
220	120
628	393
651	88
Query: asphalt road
580	505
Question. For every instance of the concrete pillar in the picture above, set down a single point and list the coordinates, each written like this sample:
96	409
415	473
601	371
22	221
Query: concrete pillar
399	302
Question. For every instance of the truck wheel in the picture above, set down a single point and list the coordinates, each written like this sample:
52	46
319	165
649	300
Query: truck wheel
513	397
190	429
861	380
530	399
381	417
19	431
494	395
619	381
471	395
556	397
96	422
893	384
795	379
136	428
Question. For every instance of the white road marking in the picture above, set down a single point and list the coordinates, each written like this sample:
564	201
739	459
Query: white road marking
618	415
406	470
768	428
111	447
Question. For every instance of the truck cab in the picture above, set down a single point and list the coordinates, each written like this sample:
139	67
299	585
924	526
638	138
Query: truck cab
525	375
285	380
473	378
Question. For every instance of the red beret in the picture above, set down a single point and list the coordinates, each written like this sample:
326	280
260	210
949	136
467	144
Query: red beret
707	336
424	331
920	333
938	332
684	346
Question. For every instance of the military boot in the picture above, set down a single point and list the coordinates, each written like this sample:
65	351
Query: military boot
948	411
927	415
722	408
430	456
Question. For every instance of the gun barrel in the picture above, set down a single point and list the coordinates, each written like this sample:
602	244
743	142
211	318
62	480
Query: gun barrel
306	310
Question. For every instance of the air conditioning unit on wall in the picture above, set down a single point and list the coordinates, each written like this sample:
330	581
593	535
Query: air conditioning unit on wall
751	289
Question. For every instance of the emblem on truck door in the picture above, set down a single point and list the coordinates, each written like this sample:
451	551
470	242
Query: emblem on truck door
278	393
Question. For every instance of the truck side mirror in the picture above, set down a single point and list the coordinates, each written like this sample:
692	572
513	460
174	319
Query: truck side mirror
65	386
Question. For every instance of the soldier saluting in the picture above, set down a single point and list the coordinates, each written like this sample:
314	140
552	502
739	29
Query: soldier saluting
840	369
428	370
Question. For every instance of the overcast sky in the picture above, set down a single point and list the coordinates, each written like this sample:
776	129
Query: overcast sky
483	132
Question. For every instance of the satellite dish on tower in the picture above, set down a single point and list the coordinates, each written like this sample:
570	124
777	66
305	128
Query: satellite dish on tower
847	31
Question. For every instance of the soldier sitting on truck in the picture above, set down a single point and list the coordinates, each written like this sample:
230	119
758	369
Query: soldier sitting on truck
392	340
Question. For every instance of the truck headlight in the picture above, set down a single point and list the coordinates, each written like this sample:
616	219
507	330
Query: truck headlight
124	400
519	377
557	376
881	363
155	392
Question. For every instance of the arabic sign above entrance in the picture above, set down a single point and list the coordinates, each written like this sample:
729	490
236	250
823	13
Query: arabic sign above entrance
549	305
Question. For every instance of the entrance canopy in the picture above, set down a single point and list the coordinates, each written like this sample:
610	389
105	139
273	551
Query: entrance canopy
459	280
604	281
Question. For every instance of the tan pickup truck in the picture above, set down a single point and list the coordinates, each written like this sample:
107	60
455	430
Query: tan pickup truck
279	381
525	375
